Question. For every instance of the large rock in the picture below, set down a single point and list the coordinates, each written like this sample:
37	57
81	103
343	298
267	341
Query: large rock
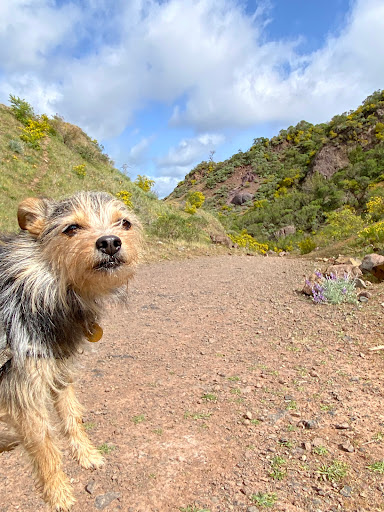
311	282
285	231
329	160
241	198
371	261
347	260
221	239
378	272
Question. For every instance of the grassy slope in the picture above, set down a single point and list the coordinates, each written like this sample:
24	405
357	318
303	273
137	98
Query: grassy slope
49	172
45	172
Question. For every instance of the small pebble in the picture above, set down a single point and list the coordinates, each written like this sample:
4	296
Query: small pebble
346	491
342	426
309	424
347	447
103	500
90	487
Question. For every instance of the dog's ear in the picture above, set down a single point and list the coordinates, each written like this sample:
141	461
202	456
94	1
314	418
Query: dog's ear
31	215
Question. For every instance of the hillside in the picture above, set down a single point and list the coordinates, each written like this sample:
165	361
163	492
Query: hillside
307	187
53	158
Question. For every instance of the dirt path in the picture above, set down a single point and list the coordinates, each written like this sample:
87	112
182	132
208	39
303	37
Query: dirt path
219	382
44	166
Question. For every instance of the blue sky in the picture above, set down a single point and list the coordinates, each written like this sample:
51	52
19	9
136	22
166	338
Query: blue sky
161	84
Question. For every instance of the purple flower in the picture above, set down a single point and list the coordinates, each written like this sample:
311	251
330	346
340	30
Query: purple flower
318	295
318	273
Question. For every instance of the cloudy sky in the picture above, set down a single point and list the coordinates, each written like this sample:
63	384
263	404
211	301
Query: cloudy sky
162	83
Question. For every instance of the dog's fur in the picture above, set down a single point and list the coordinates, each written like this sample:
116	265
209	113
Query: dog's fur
70	256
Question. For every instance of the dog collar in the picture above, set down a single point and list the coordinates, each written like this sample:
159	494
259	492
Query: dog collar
95	334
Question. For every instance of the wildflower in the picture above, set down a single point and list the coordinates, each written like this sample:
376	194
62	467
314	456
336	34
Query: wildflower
333	290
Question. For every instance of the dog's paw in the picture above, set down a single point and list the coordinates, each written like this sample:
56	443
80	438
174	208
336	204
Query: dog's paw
90	459
58	494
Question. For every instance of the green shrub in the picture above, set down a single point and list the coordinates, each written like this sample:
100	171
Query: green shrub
21	109
174	226
379	131
194	201
16	146
334	290
246	241
307	245
35	130
375	207
373	233
341	224
125	197
144	183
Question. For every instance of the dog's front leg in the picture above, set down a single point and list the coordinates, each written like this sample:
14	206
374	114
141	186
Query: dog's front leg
70	412
33	428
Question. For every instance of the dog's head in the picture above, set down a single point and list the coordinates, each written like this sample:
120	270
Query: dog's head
91	240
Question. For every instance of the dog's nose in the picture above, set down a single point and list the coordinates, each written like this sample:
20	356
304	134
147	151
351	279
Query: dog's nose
108	244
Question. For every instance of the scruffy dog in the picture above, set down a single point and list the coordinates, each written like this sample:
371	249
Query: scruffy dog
70	256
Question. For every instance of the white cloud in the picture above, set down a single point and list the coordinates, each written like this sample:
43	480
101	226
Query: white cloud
138	153
43	97
162	51
100	63
31	30
188	151
333	79
164	185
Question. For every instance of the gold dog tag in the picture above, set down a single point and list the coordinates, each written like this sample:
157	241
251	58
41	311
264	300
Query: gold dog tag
96	334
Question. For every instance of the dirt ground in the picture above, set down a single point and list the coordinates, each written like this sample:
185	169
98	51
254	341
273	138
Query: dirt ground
221	388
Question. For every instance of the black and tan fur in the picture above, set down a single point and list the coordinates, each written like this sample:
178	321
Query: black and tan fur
70	257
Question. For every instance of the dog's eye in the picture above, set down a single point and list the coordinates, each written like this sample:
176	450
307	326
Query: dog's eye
126	224
71	229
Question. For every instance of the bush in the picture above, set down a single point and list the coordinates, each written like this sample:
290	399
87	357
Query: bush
173	226
373	233
144	183
341	224
334	290
248	242
16	146
125	197
21	109
36	130
379	131
375	208
307	245
194	201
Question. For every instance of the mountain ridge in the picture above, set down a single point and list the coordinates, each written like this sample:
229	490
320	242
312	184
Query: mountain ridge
298	177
